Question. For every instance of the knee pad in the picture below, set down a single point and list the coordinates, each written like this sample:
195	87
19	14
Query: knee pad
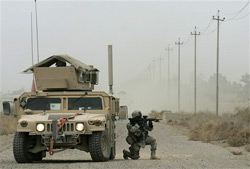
129	140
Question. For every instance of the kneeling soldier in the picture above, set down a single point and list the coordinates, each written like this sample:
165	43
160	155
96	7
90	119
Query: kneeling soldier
138	137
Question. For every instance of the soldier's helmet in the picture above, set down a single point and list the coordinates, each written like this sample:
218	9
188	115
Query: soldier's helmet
136	113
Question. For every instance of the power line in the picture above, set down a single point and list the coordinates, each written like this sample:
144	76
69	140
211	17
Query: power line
208	26
210	32
174	47
204	31
188	40
210	23
237	12
242	17
231	19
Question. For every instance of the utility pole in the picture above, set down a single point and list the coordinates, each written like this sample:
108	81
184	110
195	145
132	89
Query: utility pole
37	34
149	72
154	60
195	87
217	67
179	78
169	50
160	59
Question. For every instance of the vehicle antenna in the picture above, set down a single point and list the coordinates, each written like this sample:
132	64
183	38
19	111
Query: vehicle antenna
37	33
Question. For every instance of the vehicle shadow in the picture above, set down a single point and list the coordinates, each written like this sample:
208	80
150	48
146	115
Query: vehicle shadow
73	161
63	161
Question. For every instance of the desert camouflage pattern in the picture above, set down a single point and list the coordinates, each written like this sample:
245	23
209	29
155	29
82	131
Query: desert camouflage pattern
138	138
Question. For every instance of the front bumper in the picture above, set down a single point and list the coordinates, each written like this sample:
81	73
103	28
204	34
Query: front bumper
69	128
61	140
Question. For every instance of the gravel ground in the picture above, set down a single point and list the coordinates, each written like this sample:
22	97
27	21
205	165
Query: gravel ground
174	150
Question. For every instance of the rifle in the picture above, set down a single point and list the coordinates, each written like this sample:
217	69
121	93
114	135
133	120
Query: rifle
142	122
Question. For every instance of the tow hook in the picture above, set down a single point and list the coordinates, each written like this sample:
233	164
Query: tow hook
54	136
56	126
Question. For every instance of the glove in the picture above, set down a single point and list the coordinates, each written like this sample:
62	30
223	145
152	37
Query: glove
137	126
150	124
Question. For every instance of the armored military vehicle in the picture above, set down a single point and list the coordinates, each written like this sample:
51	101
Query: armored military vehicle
64	112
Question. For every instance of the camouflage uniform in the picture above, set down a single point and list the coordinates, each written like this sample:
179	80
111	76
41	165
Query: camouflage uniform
138	137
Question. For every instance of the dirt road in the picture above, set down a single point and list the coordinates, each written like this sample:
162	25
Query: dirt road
174	149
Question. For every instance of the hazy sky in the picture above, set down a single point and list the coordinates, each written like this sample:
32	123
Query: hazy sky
138	31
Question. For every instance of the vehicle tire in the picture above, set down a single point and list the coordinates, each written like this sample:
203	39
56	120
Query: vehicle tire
38	156
20	148
99	146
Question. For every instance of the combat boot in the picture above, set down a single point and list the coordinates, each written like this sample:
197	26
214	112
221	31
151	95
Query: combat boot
126	154
153	156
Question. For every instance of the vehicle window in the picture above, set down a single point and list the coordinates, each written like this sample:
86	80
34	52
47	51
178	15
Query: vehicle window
93	103
44	104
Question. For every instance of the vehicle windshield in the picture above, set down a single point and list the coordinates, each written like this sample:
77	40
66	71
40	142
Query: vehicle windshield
44	104
91	103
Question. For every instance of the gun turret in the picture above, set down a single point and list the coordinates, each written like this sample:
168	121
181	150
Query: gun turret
74	76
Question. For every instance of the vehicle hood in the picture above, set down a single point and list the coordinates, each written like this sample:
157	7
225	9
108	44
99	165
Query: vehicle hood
56	116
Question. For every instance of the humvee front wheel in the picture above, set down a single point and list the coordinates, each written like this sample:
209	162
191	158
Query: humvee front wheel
99	146
38	156
20	148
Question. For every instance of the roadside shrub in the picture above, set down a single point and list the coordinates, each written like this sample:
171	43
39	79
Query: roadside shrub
155	114
247	147
243	114
239	136
207	127
7	124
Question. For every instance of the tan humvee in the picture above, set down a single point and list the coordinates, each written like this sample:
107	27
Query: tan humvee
65	113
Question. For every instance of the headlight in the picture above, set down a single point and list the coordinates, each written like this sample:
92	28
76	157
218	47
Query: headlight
79	126
40	127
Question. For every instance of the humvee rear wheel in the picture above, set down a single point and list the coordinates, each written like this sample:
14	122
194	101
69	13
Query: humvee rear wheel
20	148
99	146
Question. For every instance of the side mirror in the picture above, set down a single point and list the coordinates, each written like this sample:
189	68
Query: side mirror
94	78
6	108
123	113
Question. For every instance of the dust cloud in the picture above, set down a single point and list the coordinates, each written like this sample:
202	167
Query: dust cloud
147	94
139	31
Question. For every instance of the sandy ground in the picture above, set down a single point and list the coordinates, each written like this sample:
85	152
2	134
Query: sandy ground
174	149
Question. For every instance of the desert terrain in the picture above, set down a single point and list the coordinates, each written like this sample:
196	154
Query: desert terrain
175	150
